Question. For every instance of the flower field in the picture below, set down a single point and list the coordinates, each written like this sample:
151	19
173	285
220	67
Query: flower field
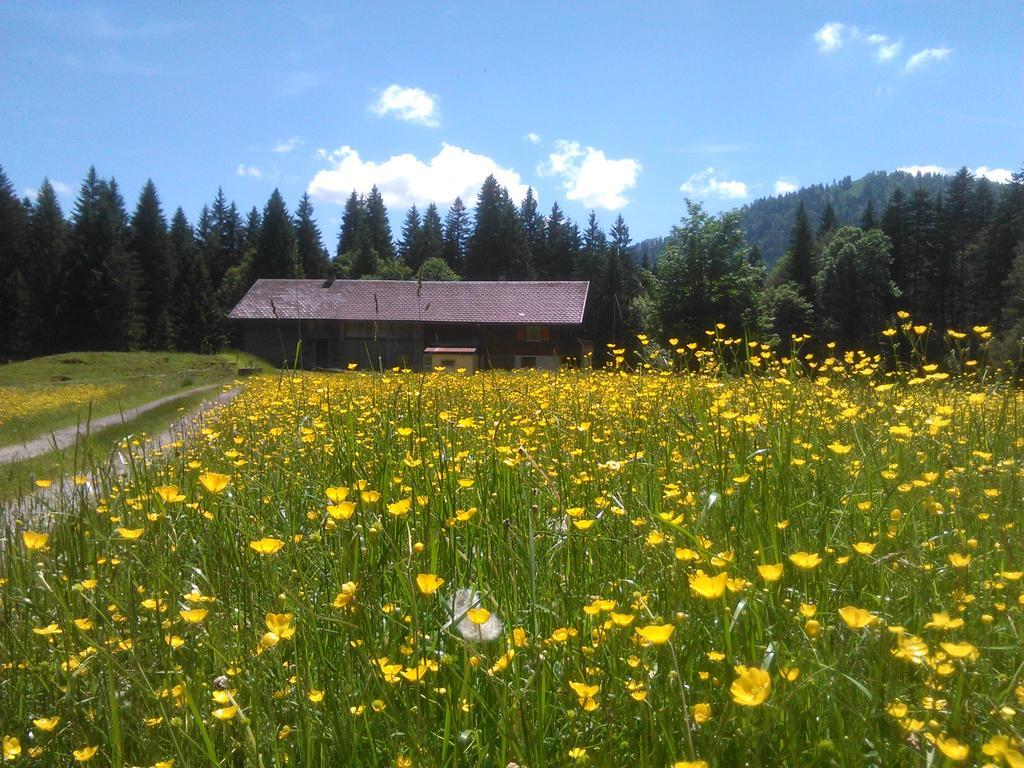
809	563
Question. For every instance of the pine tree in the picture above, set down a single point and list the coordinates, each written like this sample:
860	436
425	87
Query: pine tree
410	249
379	226
533	225
14	292
46	268
276	255
121	305
868	220
800	255
352	220
895	225
560	246
949	267
592	265
196	310
920	243
224	252
432	234
312	255
456	235
148	247
829	221
484	244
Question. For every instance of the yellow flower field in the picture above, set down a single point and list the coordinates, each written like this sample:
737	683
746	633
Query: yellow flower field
29	402
798	563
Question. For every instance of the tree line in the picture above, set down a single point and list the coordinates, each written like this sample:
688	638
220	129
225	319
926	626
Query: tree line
106	279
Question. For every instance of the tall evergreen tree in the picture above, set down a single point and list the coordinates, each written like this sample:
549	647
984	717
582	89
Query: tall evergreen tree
456	235
868	220
312	256
148	247
484	244
196	310
379	226
14	291
560	246
432	234
895	225
533	225
47	254
829	221
410	249
224	251
800	255
920	242
276	255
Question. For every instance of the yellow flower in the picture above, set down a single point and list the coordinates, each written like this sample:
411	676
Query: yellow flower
770	571
214	482
194	615
943	621
46	723
690	764
428	583
85	754
701	712
857	618
839	448
337	494
169	494
805	560
315	696
959	561
399	508
586	695
478	615
266	545
280	624
864	547
578	753
225	713
49	629
33	540
656	634
12	747
751	687
130	533
952	749
44	483
346	596
960	650
343	510
708	587
1003	747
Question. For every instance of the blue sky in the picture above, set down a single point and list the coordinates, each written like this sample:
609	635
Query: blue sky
604	106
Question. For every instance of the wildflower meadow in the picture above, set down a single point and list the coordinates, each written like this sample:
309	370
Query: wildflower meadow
725	556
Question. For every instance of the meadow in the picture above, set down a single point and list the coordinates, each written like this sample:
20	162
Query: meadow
807	560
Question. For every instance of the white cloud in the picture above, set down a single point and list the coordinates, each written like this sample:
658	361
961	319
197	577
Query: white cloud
926	57
589	176
924	169
998	175
830	37
249	170
283	147
712	183
61	188
405	180
413	105
783	187
885	49
532	137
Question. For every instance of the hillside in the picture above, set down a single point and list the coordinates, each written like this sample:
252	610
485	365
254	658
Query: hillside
767	221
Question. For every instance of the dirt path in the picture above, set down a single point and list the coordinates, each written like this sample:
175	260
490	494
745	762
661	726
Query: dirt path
62	438
37	505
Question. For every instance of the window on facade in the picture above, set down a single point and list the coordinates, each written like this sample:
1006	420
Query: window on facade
528	362
535	333
447	363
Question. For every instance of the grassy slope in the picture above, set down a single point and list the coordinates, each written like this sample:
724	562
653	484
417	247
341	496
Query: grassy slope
94	451
145	376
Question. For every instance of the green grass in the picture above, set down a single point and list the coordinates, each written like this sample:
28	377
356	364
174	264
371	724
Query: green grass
48	393
92	452
583	507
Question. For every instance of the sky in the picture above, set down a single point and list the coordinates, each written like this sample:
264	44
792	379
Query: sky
603	106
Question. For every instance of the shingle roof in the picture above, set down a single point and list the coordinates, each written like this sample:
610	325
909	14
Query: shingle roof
499	302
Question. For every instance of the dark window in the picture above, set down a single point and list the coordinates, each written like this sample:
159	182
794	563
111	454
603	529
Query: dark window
527	362
322	352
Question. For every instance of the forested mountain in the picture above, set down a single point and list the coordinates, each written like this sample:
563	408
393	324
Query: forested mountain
767	221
